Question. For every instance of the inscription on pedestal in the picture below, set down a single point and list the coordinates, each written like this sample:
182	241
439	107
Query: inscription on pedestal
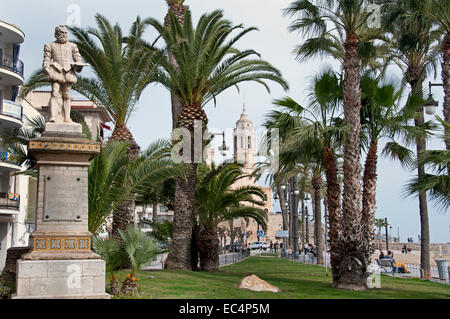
62	198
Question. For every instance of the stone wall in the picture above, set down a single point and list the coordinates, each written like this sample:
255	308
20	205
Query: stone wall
439	248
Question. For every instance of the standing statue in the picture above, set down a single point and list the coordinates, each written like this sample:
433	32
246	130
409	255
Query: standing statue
61	61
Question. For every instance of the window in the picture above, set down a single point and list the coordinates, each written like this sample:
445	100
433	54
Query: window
242	142
249	142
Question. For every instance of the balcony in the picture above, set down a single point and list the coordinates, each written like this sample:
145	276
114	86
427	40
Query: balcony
11	72
9	201
10	114
6	164
10	33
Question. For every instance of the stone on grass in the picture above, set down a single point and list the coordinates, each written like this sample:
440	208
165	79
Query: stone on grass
256	284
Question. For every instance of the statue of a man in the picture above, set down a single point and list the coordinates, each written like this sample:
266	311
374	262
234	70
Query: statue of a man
61	61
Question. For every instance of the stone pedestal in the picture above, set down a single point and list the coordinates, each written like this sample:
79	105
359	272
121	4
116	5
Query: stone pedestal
68	279
61	245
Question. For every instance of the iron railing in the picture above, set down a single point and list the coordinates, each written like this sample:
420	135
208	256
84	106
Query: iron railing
7	62
228	259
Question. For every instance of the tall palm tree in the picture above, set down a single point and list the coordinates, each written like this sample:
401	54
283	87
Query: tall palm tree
438	11
382	117
122	68
206	65
413	49
349	20
217	202
318	138
284	124
380	223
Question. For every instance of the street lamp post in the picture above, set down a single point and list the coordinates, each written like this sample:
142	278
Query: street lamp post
390	232
283	189
431	105
398	233
307	201
295	193
223	148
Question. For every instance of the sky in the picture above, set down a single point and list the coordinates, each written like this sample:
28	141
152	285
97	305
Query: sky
152	117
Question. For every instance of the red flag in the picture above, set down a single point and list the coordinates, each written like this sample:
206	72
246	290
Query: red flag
105	126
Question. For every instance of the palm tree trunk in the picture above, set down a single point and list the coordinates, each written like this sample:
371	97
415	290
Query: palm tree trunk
284	213
446	82
369	198
317	186
334	214
294	216
291	229
232	235
423	208
180	249
325	226
155	211
125	213
178	10
194	246
353	274
416	88
303	224
208	245
177	107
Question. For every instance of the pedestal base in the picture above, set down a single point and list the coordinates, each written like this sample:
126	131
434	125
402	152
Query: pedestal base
61	279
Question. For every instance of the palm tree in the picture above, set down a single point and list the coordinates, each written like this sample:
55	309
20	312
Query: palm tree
382	117
217	201
114	177
317	138
122	68
438	11
380	223
284	124
113	256
206	65
139	248
412	49
349	18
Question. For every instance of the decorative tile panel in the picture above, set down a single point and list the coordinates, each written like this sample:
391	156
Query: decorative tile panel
62	244
64	146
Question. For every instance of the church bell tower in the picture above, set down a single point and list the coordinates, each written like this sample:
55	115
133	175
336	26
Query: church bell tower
245	141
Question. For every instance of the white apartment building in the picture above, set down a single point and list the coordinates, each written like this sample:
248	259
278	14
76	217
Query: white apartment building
17	203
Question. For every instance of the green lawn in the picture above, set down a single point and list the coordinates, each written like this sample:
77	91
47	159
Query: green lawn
294	279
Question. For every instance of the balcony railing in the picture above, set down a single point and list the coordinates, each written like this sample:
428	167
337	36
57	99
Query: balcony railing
5	157
12	109
9	201
7	62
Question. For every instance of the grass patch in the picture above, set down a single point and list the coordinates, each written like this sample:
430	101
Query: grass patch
297	281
